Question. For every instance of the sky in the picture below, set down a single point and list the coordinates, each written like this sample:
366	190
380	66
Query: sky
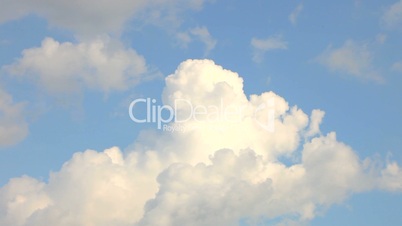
200	112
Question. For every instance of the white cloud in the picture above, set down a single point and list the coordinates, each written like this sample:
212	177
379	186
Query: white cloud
91	17
91	189
205	37
100	64
393	15
13	127
238	185
315	122
200	33
293	16
353	59
261	46
213	173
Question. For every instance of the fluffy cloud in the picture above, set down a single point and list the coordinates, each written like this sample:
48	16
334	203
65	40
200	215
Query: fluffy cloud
353	59
100	64
13	127
245	185
260	46
201	34
89	17
214	172
293	16
393	15
245	114
83	192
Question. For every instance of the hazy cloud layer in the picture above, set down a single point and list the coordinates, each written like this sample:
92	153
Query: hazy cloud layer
91	17
215	172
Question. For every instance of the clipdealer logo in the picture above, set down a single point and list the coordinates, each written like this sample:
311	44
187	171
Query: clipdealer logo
162	115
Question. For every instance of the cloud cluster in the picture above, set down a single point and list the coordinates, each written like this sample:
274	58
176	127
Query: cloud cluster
96	59
13	127
216	172
353	59
100	64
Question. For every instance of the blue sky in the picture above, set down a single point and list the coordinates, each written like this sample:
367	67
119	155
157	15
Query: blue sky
342	57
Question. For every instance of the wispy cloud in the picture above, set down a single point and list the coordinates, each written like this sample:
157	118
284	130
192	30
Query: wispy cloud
261	46
352	59
92	17
198	33
392	17
295	14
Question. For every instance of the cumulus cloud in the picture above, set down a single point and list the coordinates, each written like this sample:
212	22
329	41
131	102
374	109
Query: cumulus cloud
392	17
91	189
199	33
315	122
215	172
353	59
100	64
293	16
13	127
91	17
234	186
261	46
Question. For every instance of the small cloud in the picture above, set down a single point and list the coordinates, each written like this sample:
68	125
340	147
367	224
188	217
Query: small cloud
293	16
184	39
261	46
315	122
13	127
201	34
352	59
392	17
